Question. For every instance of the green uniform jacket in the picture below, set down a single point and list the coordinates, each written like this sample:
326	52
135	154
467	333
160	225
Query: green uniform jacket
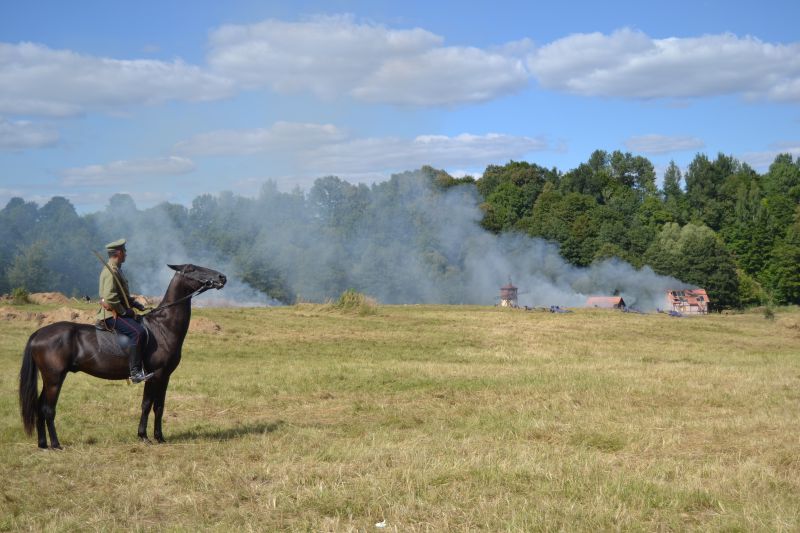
110	291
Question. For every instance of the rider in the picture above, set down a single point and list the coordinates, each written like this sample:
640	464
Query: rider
114	301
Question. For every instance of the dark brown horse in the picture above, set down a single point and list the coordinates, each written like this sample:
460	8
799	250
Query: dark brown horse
64	347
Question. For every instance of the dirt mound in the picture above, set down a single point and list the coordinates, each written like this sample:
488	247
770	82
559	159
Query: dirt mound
10	313
44	318
69	315
44	298
201	324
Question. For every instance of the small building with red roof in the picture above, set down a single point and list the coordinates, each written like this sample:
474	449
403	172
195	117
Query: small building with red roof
606	302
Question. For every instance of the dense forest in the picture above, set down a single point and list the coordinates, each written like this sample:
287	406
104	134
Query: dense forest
418	236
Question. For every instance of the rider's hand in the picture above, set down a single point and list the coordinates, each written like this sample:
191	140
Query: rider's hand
137	305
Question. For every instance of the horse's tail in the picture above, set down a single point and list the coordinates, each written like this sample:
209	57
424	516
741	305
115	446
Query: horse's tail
28	389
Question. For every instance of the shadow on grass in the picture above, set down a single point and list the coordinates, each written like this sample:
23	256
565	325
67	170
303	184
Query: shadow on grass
235	432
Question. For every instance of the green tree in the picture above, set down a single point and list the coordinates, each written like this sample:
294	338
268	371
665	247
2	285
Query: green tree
510	192
339	205
704	189
590	178
31	269
69	239
674	197
634	172
504	207
783	273
17	223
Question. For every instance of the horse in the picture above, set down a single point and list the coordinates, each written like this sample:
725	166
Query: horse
63	347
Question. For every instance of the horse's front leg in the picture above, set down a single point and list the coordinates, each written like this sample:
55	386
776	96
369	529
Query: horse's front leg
148	396
160	397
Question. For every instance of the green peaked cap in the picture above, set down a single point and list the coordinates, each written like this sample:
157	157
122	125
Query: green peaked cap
116	245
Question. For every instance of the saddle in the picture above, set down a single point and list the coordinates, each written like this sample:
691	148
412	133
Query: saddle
115	344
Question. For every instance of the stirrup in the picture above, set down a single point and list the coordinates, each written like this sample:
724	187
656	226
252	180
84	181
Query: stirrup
140	376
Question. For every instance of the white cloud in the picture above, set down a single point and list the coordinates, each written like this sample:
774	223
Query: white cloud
19	135
762	160
38	80
662	144
333	56
443	76
281	137
392	153
630	64
324	148
119	171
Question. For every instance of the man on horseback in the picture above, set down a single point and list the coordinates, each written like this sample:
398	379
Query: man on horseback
115	307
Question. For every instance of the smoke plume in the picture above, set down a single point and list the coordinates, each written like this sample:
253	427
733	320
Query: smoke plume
402	241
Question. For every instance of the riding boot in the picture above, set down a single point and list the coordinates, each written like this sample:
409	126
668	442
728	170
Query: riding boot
135	365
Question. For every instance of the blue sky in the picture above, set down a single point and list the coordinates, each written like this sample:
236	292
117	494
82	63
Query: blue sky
169	100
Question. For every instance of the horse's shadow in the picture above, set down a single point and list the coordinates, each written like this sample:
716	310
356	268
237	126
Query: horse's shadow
220	434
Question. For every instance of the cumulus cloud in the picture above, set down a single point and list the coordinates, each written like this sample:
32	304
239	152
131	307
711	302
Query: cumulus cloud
118	171
630	64
327	149
38	80
16	136
332	56
662	144
281	137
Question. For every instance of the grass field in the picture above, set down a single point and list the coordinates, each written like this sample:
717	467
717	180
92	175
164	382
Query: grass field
430	418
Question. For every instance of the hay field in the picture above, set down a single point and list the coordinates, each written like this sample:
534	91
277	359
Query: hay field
428	418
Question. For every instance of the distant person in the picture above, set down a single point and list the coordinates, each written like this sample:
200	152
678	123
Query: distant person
114	311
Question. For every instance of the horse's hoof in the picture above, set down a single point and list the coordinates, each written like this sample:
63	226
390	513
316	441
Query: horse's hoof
161	440
43	446
57	447
145	440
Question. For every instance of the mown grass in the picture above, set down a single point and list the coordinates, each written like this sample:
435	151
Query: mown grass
431	418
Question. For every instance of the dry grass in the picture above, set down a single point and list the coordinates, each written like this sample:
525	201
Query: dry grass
431	418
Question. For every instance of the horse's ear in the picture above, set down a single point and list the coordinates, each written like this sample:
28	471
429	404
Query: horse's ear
176	268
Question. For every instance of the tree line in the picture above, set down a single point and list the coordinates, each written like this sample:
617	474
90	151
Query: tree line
720	225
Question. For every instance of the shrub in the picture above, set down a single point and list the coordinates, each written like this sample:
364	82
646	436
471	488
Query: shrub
352	301
20	296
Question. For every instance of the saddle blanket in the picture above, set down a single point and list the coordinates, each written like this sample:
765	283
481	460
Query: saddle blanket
112	344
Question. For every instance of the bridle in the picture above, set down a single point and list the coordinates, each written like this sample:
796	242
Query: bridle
206	284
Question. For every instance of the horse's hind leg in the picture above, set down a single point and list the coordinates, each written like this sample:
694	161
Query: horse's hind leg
41	433
47	413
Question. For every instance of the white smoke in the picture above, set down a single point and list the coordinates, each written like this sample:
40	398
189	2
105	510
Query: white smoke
408	242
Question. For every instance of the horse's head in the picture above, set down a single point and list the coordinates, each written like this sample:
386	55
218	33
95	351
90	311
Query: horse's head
200	277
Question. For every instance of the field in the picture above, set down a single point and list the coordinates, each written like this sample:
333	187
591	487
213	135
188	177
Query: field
428	418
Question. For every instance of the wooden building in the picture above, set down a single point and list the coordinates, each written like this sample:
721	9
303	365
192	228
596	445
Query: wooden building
508	295
688	301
